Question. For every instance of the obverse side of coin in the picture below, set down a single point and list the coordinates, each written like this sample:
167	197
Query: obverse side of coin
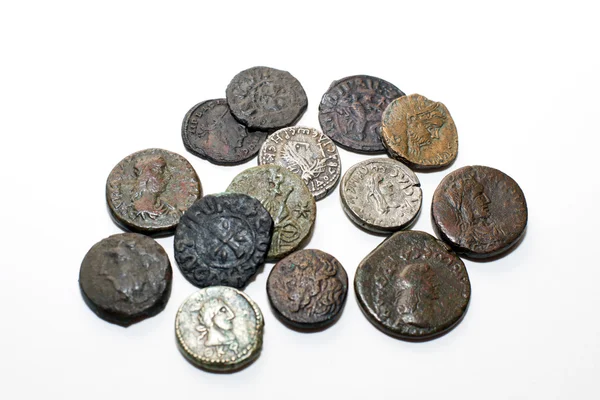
381	195
223	240
148	191
412	286
126	278
266	98
210	132
308	289
480	211
350	112
420	132
286	198
219	329
306	152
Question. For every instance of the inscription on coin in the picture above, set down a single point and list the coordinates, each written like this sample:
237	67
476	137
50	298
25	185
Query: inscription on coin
381	195
306	152
210	132
223	240
148	191
219	329
419	132
412	286
350	112
479	211
286	198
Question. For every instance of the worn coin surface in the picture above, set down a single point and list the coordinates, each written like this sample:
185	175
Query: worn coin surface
219	329
223	240
381	195
412	286
420	132
266	98
350	112
480	211
286	198
306	152
148	191
308	289
210	132
126	278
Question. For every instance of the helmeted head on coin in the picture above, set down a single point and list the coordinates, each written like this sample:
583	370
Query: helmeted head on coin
214	123
424	120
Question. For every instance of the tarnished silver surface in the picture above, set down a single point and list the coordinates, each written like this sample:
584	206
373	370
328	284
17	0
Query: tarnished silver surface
308	153
286	198
219	328
381	195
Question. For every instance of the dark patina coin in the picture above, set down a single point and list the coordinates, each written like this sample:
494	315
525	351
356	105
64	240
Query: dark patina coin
210	132
148	191
266	98
307	289
219	329
222	240
420	132
126	278
350	112
412	286
480	211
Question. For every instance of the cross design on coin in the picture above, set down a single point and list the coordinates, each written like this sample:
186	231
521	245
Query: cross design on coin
229	237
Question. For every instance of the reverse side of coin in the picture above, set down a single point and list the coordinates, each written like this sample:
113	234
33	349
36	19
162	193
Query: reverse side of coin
266	99
381	195
308	289
286	198
148	191
480	211
420	132
350	112
223	240
306	152
209	131
412	286
219	329
126	278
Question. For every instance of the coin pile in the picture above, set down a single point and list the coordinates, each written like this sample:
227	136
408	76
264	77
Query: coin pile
412	286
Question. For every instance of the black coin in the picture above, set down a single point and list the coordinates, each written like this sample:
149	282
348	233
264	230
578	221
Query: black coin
126	278
210	132
351	109
222	240
307	289
266	99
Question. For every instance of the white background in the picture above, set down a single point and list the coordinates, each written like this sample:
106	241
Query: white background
84	85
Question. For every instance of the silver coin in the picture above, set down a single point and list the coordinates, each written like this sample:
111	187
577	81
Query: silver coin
219	328
308	153
381	195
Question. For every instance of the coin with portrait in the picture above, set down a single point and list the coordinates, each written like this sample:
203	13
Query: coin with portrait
219	329
480	211
413	286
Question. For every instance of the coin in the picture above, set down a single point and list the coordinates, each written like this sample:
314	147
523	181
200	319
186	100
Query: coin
148	191
286	198
308	289
419	132
210	132
126	278
381	195
350	112
306	152
219	329
479	211
223	240
266	99
412	286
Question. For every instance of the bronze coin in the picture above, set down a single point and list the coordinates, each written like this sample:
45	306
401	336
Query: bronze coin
480	211
412	286
419	132
308	289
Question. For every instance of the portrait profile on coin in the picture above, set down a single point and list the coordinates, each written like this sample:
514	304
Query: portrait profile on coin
152	178
215	325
